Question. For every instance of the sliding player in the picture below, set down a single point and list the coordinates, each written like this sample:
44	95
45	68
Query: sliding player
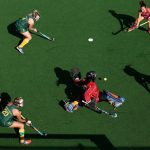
91	94
144	13
24	25
10	116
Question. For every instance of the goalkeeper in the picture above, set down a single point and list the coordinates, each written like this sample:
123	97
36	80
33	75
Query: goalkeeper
91	94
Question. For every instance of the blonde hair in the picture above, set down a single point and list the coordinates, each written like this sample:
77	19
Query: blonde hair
35	13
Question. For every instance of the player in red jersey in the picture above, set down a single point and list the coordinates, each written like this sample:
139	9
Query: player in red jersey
144	13
90	94
92	91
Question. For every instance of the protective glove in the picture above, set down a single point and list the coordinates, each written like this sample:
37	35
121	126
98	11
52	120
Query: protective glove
28	123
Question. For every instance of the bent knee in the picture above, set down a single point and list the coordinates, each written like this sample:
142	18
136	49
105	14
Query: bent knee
29	38
21	126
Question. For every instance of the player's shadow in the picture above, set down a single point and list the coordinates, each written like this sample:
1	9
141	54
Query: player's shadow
101	142
124	20
12	30
142	79
63	77
5	99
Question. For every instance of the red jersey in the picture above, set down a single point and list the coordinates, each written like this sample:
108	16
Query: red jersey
146	14
91	92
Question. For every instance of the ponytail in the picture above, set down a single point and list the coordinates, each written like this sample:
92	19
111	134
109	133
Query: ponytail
142	3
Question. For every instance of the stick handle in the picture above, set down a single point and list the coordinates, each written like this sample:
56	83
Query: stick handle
36	129
42	134
143	23
139	25
85	102
22	117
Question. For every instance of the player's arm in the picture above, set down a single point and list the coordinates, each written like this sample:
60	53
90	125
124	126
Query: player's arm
17	114
139	19
136	23
31	25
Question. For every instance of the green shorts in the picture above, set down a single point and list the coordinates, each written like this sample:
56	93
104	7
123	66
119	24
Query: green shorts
21	26
6	123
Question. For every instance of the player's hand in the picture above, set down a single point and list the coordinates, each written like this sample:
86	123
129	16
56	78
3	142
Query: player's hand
35	30
28	123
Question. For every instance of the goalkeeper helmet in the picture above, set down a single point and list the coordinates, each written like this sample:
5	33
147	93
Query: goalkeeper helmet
91	75
18	101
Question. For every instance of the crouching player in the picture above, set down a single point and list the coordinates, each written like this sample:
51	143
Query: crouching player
144	13
24	26
10	117
112	98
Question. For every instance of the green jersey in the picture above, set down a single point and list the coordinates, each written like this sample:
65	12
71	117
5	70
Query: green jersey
22	24
6	116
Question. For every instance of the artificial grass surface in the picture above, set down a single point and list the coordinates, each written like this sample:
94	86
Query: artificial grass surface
33	75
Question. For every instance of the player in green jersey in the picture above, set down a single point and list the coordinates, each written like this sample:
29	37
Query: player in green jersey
24	26
10	116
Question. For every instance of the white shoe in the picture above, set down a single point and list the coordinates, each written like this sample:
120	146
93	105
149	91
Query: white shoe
20	50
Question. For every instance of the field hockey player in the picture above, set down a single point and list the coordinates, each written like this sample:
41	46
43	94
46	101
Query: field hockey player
144	13
24	26
10	117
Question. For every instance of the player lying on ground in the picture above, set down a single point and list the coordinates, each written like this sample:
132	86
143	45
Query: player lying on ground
92	94
144	13
24	25
112	98
10	117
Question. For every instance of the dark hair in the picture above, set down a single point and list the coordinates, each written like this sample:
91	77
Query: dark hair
91	76
142	3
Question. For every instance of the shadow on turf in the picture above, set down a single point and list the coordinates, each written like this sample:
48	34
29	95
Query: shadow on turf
12	30
125	21
101	142
63	77
142	79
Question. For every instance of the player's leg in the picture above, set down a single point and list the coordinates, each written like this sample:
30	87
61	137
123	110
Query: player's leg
27	38
20	125
149	26
114	99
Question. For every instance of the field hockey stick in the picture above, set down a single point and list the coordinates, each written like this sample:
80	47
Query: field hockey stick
41	133
45	36
139	25
113	115
143	23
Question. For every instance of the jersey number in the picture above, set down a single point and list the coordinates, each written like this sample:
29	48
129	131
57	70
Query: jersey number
5	112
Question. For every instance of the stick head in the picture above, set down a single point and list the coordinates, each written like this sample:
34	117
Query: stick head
44	134
114	115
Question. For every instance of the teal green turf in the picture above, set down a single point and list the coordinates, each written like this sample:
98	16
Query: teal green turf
32	75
